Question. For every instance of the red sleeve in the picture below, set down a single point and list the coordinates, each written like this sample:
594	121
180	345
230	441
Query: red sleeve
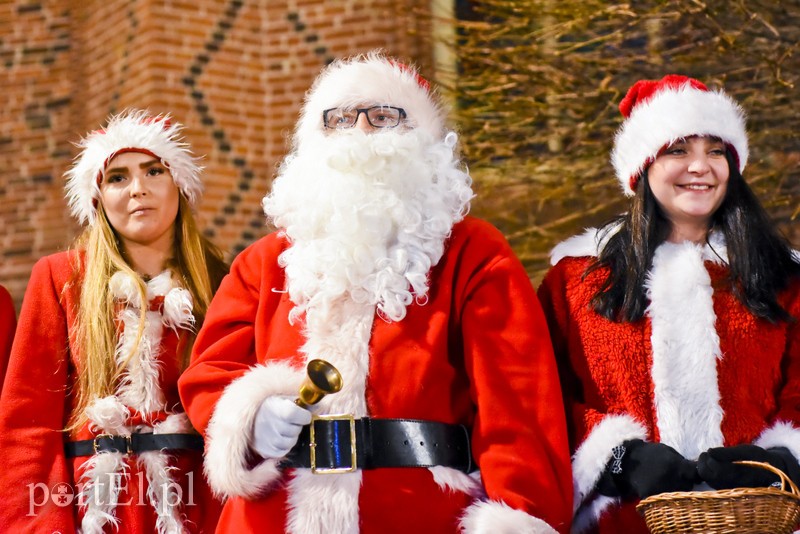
552	295
519	435
789	400
32	409
225	347
8	323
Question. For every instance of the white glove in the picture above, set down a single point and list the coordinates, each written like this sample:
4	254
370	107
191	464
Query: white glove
277	425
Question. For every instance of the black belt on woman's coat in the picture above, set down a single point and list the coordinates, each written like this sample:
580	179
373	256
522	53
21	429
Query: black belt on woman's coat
133	444
342	444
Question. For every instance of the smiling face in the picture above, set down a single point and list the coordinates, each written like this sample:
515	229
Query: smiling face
140	200
689	180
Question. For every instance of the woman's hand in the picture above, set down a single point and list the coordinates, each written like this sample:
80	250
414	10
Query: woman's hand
639	469
716	466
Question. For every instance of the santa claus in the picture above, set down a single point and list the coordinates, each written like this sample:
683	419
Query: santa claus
450	414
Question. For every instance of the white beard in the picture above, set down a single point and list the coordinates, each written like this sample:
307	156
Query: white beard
366	216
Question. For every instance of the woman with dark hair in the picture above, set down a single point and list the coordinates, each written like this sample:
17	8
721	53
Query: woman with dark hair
676	324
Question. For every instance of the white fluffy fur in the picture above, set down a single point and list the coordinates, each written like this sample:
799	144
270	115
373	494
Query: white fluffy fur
781	434
100	487
162	491
102	479
130	129
587	244
365	81
367	216
590	460
139	384
494	517
454	480
685	350
230	431
139	389
338	332
672	114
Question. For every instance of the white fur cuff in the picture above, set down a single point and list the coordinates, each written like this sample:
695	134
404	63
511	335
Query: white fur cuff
229	432
781	434
591	458
496	517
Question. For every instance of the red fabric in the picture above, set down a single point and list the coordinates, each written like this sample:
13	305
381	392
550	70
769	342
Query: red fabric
35	406
8	324
476	353
606	367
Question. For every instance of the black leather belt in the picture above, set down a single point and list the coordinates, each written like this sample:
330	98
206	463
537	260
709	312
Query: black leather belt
133	444
343	444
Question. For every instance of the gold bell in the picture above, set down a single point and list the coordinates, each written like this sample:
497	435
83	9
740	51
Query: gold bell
322	378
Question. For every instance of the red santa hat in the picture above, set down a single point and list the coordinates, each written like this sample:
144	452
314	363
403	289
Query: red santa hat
659	112
369	80
129	131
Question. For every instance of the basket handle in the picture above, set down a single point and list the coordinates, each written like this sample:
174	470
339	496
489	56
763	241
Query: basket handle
784	479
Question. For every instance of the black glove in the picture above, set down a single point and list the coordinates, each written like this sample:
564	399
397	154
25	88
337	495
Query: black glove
645	469
716	466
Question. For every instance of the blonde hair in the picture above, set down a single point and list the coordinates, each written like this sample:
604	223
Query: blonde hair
195	260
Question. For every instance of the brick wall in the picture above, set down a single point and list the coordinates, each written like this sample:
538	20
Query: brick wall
234	72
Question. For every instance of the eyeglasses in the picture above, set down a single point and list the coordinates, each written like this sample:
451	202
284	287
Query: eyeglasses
377	117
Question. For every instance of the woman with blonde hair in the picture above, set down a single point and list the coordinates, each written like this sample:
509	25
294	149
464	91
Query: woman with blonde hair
92	432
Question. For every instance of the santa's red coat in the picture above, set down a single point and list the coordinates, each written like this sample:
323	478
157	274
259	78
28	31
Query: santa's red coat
698	371
8	323
476	353
36	402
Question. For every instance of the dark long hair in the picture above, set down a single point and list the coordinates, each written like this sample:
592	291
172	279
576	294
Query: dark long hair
760	259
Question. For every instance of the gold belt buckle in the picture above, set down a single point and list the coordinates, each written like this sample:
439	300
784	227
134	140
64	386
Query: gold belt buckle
313	445
128	443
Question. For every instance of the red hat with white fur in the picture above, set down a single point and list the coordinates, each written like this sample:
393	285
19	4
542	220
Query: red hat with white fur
130	131
368	80
660	112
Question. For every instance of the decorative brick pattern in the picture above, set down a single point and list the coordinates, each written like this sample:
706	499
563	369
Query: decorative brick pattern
234	72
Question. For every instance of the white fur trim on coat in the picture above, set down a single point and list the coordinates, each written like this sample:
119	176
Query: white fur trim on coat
589	462
587	244
672	114
139	389
228	463
340	334
365	81
685	350
131	129
496	517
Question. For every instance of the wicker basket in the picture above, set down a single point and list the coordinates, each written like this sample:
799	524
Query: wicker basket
734	511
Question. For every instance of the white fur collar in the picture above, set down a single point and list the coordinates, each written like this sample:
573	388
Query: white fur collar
590	243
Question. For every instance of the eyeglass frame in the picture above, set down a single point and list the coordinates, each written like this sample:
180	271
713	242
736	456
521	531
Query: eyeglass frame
359	111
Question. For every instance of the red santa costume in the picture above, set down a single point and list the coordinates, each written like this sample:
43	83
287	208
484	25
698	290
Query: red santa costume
699	370
427	315
62	481
8	323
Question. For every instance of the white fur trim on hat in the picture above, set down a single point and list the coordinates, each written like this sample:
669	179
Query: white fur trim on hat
672	114
366	81
131	129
